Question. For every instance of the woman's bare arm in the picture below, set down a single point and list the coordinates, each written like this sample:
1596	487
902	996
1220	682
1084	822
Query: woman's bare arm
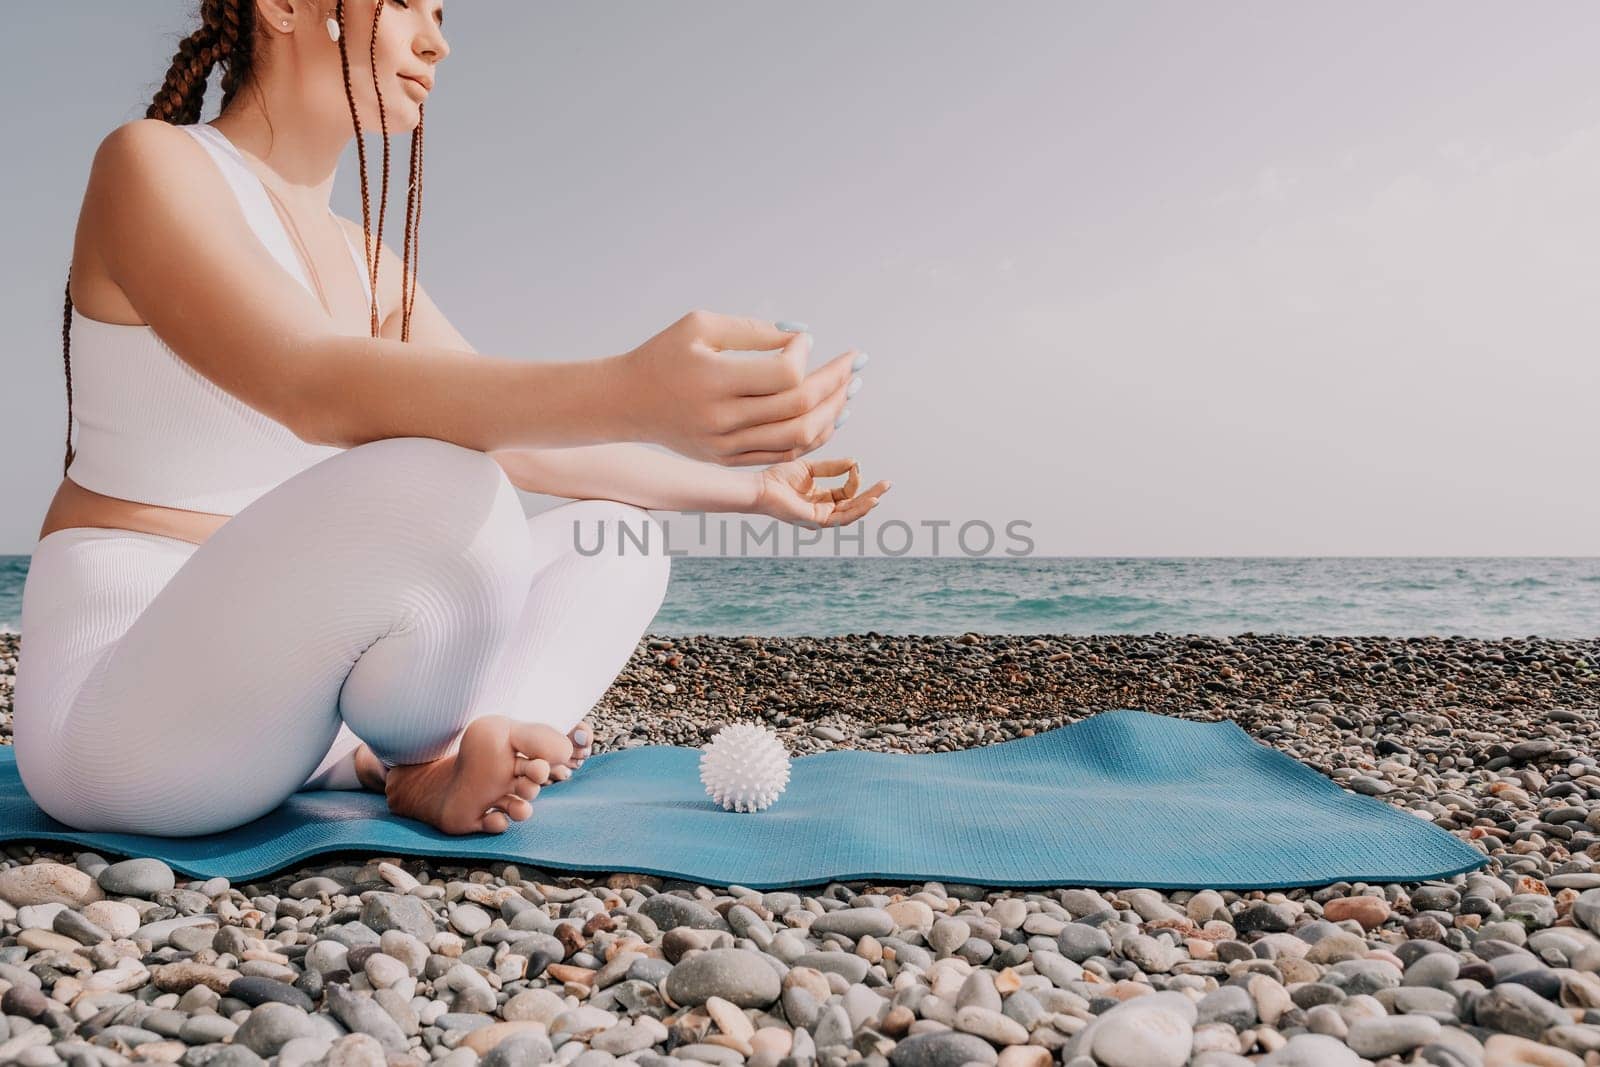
175	241
173	238
355	389
634	474
629	472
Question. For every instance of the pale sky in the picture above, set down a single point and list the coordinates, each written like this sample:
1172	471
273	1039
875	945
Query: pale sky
1157	278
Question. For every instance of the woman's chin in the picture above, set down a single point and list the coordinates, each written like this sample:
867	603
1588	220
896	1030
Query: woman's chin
403	118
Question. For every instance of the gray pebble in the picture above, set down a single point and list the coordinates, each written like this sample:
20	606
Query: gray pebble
670	911
1312	1050
943	1049
1230	1004
139	877
526	1048
1079	942
361	1014
855	923
1516	1009
399	911
234	1056
271	1025
735	975
254	989
1391	1034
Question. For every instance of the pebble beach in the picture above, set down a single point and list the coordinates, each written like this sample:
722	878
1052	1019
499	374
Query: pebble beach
373	960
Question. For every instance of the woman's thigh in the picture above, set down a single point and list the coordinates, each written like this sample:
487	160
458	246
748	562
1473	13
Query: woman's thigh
585	610
377	585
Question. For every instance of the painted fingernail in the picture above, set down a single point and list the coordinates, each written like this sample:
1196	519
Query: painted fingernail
855	384
845	414
859	362
791	327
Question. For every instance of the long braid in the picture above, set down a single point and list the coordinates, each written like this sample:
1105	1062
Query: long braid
179	98
383	189
237	46
413	247
361	158
66	357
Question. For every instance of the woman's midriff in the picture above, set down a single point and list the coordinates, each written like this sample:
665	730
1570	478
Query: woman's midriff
73	505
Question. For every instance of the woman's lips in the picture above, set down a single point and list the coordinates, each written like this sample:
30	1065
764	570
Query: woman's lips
415	81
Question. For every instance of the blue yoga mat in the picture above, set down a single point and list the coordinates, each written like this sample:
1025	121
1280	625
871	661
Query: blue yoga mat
1122	798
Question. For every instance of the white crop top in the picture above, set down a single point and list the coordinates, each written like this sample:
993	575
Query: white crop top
151	428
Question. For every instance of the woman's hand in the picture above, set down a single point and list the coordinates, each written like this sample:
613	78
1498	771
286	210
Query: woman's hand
689	391
789	492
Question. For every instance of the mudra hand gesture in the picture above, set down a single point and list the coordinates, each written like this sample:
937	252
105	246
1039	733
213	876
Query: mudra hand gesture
789	491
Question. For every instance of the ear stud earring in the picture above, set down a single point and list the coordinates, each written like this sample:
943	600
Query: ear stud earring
333	29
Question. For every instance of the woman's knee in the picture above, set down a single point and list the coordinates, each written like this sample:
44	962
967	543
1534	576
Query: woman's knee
616	536
450	507
408	465
427	485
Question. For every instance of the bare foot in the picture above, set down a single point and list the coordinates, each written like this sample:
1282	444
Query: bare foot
581	748
500	763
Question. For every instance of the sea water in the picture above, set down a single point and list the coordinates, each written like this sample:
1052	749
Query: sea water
1400	597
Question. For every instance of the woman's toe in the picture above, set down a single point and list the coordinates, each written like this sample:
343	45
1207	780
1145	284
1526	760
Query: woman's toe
495	822
526	788
514	806
534	770
538	741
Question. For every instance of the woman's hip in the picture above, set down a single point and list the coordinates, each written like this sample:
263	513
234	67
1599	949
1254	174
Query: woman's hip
85	586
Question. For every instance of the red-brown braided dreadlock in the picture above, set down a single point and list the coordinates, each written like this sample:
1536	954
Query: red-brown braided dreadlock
227	36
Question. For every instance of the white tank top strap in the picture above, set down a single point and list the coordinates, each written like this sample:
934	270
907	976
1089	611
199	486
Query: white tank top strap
259	212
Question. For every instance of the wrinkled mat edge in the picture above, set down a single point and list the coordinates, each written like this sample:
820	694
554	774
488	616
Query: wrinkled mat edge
298	857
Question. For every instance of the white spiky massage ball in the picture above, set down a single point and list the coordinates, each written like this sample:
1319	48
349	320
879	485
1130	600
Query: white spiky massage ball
745	767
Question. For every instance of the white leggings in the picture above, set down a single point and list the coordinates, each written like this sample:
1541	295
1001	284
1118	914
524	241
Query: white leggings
389	594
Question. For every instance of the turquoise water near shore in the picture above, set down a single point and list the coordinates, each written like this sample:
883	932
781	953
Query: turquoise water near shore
1472	597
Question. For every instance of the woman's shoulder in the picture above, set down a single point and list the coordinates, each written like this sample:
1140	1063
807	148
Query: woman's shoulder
141	166
137	178
139	141
140	153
